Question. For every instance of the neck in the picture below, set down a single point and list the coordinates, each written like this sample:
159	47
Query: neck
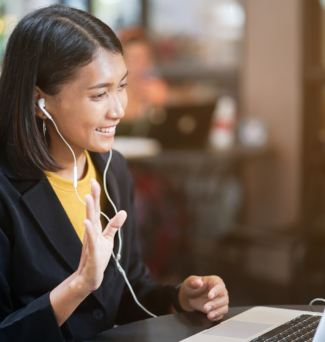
63	157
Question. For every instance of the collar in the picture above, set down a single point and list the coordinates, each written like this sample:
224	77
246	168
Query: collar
99	160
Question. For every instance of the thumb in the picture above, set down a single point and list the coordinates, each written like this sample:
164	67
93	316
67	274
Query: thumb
196	282
193	285
114	224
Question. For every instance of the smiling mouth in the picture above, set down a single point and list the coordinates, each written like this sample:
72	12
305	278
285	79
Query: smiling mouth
106	129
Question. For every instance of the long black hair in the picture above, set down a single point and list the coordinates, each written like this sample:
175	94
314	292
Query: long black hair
46	49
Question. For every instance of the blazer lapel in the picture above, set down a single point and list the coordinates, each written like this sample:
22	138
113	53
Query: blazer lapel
49	213
47	210
53	220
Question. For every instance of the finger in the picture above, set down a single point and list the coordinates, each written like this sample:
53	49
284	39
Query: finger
90	210
193	283
217	314
218	287
216	304
91	237
84	251
85	241
95	192
196	283
217	318
114	224
194	286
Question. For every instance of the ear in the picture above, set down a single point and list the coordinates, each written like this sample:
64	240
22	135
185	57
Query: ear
38	95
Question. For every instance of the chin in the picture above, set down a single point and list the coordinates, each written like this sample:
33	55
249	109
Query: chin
102	149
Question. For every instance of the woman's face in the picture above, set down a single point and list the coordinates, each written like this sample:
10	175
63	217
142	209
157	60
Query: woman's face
88	109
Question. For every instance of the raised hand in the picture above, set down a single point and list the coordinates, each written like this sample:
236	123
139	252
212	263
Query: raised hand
207	294
98	244
96	252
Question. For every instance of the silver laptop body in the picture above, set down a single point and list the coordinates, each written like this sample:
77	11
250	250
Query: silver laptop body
258	322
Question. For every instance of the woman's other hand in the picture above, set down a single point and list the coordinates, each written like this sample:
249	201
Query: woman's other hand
206	294
98	244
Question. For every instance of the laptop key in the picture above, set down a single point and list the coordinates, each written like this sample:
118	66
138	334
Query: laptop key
300	329
275	331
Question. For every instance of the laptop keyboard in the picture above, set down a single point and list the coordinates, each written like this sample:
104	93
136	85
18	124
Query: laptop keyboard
300	329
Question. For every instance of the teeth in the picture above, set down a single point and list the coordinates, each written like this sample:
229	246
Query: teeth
106	130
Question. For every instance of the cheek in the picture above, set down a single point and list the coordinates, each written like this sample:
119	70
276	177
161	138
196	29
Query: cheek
124	99
87	113
79	121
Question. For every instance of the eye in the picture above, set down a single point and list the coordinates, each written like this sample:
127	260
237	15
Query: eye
98	97
122	86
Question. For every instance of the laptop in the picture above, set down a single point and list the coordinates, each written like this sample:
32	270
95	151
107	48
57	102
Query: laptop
182	127
263	324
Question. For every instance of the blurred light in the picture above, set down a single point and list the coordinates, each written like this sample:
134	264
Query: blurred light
10	21
2	25
79	4
108	2
322	3
230	14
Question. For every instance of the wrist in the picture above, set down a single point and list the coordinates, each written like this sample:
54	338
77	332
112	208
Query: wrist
175	305
78	286
66	297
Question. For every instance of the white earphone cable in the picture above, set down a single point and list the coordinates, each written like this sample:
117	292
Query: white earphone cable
316	300
56	127
118	256
75	182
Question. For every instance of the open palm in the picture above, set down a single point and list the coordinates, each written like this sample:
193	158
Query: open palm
98	244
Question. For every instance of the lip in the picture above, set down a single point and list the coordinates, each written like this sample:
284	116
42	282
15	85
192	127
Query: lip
107	134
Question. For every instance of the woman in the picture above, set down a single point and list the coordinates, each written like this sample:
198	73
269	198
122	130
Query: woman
58	281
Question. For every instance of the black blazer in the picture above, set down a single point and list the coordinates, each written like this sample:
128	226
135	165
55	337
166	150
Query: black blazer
39	248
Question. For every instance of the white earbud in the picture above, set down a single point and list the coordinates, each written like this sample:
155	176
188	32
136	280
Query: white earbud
41	104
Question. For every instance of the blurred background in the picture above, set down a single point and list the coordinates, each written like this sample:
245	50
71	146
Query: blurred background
225	138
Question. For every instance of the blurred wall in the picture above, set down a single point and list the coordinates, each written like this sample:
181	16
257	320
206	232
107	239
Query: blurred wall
271	89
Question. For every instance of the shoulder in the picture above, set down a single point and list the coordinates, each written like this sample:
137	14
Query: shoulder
118	164
118	161
6	200
120	169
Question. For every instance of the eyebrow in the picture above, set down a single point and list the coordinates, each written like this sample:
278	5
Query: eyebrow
103	85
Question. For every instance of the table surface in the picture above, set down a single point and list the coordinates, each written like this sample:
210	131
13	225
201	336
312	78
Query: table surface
176	327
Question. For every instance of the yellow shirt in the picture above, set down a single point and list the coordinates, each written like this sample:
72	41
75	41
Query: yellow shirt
65	191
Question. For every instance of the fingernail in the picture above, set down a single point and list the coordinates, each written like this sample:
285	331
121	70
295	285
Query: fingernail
212	295
209	308
213	315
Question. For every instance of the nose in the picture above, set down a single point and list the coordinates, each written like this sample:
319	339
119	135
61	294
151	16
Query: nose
116	110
